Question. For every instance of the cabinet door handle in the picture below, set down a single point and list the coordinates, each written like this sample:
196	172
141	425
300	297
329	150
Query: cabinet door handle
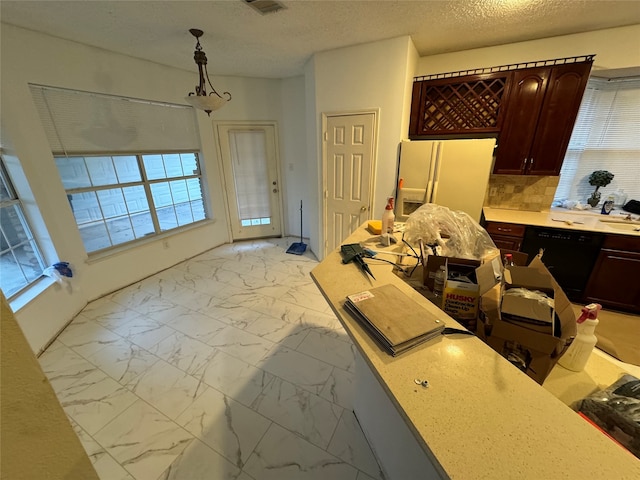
531	163
500	229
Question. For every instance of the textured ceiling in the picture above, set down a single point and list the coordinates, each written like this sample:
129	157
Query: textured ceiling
240	41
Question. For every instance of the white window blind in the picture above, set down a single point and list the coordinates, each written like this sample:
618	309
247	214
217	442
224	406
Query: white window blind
84	122
249	160
606	137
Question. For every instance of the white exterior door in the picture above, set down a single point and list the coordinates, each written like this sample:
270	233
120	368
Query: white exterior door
348	175
250	163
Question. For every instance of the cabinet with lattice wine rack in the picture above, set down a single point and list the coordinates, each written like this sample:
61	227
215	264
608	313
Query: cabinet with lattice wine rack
470	104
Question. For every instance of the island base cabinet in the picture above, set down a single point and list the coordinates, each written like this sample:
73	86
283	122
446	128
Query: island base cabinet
395	447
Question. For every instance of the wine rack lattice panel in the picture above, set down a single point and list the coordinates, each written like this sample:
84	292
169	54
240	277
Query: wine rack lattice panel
462	106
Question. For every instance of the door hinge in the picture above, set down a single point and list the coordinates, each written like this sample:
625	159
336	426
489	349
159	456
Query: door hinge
325	136
326	194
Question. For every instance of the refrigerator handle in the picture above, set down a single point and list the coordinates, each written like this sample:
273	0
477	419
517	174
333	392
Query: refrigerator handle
435	174
428	196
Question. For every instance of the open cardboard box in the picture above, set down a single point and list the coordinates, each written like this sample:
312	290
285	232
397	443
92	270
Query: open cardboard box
535	353
460	298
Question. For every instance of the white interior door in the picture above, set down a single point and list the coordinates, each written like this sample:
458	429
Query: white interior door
348	172
250	163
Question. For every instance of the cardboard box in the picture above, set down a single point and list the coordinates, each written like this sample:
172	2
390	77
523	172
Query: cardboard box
535	353
525	311
460	300
461	297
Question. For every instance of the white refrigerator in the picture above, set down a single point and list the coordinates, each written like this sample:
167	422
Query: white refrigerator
451	173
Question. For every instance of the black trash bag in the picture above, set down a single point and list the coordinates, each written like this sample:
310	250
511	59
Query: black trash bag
616	410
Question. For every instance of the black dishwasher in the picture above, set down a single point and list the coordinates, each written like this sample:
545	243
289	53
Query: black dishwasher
568	254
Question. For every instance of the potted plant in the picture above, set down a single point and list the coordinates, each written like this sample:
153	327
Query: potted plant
599	178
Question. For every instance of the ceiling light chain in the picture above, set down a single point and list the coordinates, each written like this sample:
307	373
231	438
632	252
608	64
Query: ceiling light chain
200	99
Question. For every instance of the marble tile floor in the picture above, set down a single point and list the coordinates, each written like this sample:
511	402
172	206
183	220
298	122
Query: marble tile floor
229	365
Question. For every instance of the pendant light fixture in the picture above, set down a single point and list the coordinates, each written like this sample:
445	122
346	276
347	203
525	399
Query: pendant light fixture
200	99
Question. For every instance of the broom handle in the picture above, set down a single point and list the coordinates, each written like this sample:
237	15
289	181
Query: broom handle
300	221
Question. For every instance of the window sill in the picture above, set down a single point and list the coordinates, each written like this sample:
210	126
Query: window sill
128	247
25	297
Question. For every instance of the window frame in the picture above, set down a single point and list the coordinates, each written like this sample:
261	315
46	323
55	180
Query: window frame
15	201
598	102
146	183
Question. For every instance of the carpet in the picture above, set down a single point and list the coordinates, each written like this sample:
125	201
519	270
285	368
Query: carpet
618	334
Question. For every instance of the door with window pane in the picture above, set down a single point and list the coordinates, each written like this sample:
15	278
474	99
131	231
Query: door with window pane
250	163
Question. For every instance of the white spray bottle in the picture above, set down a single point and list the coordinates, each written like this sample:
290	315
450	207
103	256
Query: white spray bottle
577	355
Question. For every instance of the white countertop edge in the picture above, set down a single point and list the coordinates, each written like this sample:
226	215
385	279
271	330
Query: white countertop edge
477	402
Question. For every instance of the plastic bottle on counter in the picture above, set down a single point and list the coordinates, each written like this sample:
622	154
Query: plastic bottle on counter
507	261
607	206
620	198
388	217
438	281
577	355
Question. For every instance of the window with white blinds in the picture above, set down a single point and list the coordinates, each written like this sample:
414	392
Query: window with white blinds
130	167
86	122
606	137
249	160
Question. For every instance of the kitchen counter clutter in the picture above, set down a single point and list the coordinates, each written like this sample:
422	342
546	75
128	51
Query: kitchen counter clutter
590	254
454	408
586	220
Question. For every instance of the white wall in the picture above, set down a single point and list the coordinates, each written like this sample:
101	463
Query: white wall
293	155
314	177
614	48
28	56
372	76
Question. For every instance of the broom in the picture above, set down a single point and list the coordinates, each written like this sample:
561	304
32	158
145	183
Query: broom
298	248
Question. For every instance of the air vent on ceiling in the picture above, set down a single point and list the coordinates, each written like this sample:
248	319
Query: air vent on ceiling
265	6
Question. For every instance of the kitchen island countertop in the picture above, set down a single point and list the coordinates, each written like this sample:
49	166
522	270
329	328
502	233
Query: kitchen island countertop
480	417
588	220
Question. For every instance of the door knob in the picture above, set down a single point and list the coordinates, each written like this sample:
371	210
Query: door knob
363	208
275	190
275	183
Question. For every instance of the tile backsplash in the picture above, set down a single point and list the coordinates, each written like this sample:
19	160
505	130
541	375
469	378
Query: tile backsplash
521	192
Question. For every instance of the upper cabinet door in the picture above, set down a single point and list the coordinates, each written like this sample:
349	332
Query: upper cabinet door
557	118
524	102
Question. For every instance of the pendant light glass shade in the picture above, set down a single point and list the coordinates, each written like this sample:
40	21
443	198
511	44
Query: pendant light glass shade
200	99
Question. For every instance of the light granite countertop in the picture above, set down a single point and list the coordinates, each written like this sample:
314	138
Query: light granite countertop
480	417
585	220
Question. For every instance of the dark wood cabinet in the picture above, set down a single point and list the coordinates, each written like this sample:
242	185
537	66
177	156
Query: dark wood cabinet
523	109
464	105
615	279
541	110
506	236
530	107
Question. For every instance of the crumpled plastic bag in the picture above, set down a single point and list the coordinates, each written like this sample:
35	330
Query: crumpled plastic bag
58	272
448	233
571	204
616	410
537	295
